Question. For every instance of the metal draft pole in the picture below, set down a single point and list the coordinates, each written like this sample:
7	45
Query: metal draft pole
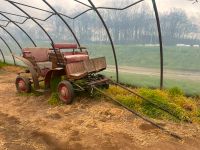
52	42
19	28
77	41
160	42
110	38
2	55
8	49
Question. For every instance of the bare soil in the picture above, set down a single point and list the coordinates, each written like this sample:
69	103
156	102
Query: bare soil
28	123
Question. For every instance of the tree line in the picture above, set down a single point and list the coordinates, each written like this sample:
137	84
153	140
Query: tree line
136	25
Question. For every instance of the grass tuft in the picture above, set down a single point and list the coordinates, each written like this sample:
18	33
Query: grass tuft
176	91
2	64
54	83
54	99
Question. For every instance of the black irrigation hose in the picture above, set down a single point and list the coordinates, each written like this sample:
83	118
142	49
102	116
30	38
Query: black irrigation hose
125	88
140	116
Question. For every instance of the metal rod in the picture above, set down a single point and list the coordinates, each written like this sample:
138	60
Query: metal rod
13	14
139	115
110	38
61	14
22	4
149	101
52	42
19	28
160	41
82	3
39	9
5	25
4	20
17	15
9	49
63	21
81	13
12	37
47	11
111	8
13	21
2	55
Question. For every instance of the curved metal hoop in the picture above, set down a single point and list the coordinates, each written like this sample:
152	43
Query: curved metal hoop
110	38
2	55
8	49
161	43
12	37
52	42
19	28
77	41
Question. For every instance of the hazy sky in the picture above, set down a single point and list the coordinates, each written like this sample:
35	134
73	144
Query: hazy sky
71	6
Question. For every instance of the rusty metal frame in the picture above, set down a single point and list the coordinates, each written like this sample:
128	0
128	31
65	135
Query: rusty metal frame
92	7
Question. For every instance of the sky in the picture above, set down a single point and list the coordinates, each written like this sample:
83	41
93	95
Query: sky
71	6
163	5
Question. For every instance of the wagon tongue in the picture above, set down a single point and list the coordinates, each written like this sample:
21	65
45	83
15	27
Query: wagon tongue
98	82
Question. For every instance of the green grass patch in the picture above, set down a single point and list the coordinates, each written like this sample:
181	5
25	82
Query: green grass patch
173	100
54	83
189	87
54	99
2	64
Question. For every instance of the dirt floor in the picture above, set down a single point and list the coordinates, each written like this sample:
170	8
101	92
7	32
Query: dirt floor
29	123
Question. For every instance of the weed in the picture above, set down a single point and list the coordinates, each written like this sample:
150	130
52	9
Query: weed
175	91
54	99
54	83
2	64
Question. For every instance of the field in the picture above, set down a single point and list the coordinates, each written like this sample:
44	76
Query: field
176	59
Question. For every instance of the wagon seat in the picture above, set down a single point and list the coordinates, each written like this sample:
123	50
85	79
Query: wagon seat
74	60
73	56
39	58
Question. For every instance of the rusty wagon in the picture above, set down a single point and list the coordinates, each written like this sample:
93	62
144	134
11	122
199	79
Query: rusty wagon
64	60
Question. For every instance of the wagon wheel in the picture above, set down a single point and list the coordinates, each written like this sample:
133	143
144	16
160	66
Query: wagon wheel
23	85
65	92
